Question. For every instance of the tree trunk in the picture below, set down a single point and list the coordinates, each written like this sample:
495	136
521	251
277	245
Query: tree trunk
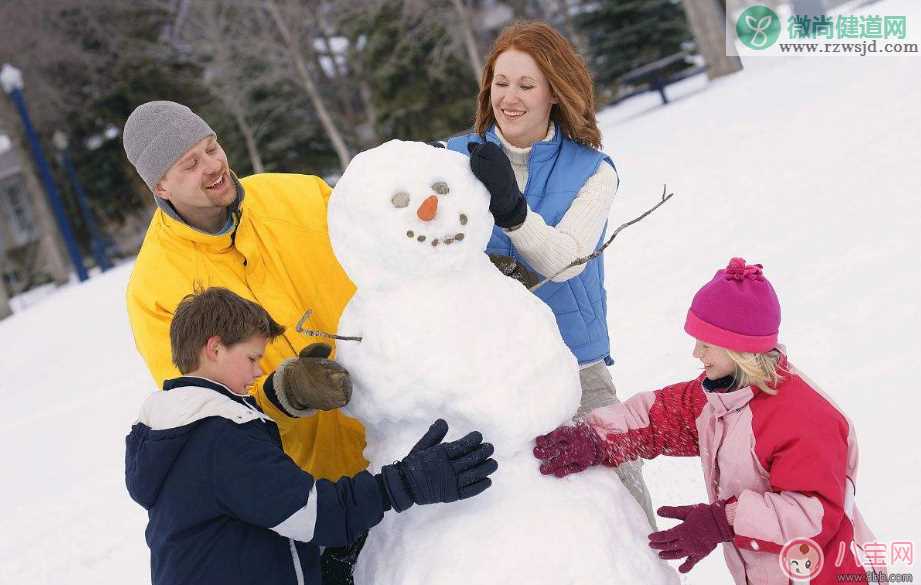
339	78
707	20
249	137
5	310
473	53
568	28
326	120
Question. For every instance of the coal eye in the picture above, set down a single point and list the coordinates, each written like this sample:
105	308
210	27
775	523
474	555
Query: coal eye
400	200
441	188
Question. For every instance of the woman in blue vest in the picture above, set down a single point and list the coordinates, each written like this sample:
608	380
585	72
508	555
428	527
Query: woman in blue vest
536	148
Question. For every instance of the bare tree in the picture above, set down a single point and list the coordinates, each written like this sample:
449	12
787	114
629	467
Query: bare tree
285	14
211	31
453	20
5	310
466	28
707	19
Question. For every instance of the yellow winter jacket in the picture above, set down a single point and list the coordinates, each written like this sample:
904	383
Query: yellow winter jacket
279	256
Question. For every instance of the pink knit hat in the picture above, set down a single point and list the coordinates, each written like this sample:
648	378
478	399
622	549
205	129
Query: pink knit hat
737	310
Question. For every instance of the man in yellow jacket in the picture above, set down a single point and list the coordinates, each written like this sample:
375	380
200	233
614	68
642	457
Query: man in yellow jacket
265	238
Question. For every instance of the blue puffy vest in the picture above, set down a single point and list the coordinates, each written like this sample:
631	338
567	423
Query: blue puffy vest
557	169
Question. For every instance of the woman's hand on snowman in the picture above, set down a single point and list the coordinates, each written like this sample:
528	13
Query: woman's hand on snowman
703	527
436	472
493	169
311	381
568	449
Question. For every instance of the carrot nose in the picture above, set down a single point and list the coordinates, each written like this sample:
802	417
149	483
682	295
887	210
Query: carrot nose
426	211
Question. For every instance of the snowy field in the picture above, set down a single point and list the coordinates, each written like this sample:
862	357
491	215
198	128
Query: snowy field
809	166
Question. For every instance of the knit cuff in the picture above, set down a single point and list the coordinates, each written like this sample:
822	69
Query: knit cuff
382	486
731	512
528	236
276	395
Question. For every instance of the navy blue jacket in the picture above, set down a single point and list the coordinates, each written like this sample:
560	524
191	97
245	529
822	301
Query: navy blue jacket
225	504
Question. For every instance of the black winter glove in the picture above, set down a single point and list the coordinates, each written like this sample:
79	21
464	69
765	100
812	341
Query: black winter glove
436	472
311	381
493	169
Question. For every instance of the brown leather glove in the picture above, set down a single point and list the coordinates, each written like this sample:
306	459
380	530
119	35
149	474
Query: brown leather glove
311	381
512	268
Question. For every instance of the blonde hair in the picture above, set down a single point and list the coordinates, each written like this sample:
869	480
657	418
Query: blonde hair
761	370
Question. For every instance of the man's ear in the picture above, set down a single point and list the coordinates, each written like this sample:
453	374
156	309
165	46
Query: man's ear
160	191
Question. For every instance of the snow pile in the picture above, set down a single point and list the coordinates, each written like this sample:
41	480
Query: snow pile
445	334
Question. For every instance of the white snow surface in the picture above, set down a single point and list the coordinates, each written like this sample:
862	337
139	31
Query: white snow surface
446	335
809	166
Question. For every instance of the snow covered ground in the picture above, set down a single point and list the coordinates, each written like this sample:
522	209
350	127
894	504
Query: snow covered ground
809	166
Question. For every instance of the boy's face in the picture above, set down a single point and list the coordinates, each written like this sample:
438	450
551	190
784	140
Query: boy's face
237	366
717	363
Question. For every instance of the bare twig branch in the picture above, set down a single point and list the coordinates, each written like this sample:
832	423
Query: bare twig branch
598	252
316	332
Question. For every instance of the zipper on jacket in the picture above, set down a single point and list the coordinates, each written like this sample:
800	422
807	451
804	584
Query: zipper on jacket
298	572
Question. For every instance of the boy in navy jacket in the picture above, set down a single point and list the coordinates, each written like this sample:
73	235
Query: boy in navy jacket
225	504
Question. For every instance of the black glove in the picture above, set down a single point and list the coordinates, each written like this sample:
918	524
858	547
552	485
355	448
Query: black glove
493	169
439	472
311	381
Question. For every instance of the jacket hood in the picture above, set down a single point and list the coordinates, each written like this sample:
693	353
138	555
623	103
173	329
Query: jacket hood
149	457
166	423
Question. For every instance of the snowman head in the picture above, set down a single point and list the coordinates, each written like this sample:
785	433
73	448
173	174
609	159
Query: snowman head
405	211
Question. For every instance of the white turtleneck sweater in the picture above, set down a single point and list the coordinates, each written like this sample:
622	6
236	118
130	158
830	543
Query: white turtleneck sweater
546	248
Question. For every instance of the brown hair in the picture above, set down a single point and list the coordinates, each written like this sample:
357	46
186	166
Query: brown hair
565	71
217	312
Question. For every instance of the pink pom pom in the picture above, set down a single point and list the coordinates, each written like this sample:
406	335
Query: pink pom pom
738	270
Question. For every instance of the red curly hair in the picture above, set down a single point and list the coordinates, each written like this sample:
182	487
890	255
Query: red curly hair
565	71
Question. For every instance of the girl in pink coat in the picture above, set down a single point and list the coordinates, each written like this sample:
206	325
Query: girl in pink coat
779	458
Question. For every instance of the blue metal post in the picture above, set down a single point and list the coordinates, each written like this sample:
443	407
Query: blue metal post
57	207
97	240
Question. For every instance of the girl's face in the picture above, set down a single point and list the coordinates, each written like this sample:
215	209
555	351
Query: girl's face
521	98
717	363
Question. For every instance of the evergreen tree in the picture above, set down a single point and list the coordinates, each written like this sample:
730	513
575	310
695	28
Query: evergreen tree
622	35
420	92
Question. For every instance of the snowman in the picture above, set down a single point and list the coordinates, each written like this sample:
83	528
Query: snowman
445	334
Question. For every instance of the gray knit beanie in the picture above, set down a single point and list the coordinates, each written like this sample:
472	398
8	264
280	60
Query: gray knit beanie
157	134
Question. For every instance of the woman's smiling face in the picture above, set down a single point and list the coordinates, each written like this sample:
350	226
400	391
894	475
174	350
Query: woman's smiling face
521	98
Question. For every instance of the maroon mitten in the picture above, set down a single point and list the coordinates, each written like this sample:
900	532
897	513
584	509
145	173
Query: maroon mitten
704	527
568	450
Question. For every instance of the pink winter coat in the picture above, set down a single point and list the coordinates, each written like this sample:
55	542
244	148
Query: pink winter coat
790	459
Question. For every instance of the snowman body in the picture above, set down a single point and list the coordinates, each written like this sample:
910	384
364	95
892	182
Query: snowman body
446	335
